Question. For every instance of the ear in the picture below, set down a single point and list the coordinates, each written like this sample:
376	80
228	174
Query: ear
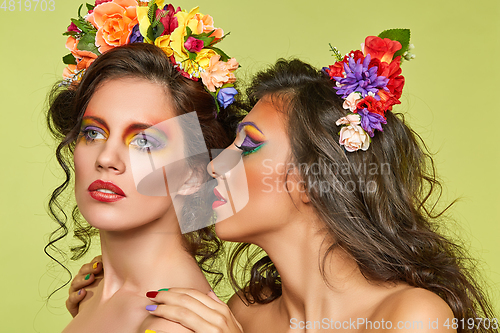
192	184
304	195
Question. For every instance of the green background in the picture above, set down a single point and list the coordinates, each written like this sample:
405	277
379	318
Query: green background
449	99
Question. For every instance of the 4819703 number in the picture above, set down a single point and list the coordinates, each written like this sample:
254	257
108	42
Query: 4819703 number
28	5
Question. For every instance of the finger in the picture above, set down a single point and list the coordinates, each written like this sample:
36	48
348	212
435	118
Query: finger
166	295
73	301
213	296
80	281
188	318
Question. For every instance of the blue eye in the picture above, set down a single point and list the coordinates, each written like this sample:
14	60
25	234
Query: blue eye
91	133
145	142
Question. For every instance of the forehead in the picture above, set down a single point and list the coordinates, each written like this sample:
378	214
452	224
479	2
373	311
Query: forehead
128	100
268	115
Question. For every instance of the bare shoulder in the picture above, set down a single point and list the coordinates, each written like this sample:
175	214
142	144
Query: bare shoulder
251	315
416	310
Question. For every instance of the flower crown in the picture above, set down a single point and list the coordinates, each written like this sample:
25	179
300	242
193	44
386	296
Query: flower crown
370	82
187	38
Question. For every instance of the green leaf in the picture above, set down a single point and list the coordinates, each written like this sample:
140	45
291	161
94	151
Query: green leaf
188	33
71	33
152	11
222	38
206	40
192	56
87	43
69	59
79	10
223	56
158	30
151	34
90	7
401	35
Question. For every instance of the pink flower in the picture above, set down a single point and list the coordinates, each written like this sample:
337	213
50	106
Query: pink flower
193	45
351	102
219	72
353	137
351	119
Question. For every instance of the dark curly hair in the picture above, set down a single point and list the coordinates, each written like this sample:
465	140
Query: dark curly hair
67	106
387	221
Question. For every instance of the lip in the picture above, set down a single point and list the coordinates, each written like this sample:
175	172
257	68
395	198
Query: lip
97	185
219	202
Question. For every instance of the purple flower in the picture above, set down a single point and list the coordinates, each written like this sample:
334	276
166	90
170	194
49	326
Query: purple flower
361	78
193	45
225	96
135	35
371	121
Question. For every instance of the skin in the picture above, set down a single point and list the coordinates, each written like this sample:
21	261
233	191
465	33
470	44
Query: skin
286	226
141	248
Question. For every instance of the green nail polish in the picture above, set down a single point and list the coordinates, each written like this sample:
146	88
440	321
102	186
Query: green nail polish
87	276
164	289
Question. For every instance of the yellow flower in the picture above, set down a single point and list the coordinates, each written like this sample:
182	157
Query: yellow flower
163	42
142	17
177	39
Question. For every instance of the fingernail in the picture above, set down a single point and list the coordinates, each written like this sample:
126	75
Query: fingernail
150	331
87	276
151	294
80	292
151	307
94	266
164	289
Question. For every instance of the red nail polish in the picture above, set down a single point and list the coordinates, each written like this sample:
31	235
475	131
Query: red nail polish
151	294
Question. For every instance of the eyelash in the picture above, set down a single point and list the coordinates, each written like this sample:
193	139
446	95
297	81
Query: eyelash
246	150
155	144
86	131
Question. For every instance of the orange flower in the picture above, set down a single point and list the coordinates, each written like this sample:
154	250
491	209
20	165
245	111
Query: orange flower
114	22
219	72
83	58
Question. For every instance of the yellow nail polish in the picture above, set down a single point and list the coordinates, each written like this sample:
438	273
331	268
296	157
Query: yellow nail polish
94	266
150	331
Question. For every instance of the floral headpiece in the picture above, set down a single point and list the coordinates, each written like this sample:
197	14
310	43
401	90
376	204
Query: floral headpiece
187	38
370	82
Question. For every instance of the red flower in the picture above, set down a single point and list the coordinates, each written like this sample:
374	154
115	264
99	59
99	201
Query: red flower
382	49
335	70
169	22
387	99
98	2
372	105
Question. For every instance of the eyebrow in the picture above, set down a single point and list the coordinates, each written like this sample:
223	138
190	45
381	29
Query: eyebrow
131	128
241	125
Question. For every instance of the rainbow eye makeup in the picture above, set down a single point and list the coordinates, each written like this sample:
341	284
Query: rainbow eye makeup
251	138
146	142
90	132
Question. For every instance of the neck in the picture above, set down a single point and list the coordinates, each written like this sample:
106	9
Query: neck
149	257
298	251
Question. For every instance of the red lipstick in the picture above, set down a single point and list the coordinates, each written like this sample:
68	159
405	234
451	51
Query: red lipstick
103	191
219	202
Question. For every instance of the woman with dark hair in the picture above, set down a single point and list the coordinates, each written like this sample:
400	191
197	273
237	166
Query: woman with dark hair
129	102
346	215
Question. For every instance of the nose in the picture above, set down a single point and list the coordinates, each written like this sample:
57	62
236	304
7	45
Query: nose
225	161
110	158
